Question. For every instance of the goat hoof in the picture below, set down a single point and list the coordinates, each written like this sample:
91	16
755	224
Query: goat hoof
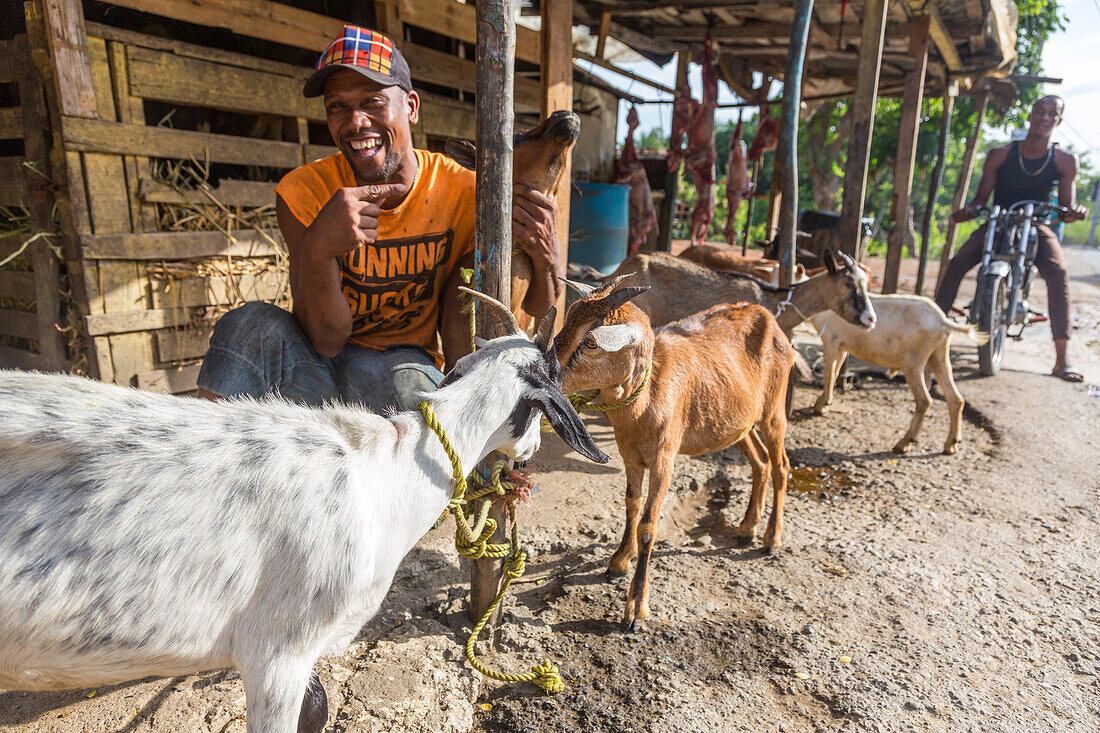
743	540
614	571
902	447
951	449
314	713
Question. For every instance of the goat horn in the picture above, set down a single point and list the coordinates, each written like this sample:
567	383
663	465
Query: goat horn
501	309
620	296
610	283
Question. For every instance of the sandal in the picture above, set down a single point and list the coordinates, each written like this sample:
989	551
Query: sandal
1069	374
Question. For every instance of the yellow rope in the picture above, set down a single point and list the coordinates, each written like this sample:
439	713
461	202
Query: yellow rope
472	542
582	402
467	276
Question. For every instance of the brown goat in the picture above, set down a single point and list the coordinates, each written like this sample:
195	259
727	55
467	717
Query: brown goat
724	257
680	288
712	379
539	157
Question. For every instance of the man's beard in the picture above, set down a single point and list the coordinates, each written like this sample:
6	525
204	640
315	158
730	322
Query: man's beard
390	165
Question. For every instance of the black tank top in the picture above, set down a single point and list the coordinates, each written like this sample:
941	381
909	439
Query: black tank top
1033	181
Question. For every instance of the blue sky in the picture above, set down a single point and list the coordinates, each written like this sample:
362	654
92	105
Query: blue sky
1068	54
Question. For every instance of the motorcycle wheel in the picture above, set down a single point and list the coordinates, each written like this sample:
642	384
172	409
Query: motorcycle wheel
993	296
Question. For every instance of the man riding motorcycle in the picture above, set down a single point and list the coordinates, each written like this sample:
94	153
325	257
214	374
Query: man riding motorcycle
1027	170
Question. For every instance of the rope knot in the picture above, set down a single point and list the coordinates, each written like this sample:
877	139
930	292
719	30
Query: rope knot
548	678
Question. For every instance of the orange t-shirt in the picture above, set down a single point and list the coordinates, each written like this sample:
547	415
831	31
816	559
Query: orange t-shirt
393	286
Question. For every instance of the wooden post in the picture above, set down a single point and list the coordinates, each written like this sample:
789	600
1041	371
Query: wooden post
873	27
963	185
601	39
496	44
786	156
61	26
775	201
748	208
557	93
40	204
934	185
907	148
68	43
667	215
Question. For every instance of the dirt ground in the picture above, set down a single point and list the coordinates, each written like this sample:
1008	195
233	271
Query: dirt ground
913	593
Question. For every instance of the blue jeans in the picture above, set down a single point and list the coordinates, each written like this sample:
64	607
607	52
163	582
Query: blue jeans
259	349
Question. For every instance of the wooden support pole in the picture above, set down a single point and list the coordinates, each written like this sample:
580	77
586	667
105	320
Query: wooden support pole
557	93
934	185
65	170
39	202
496	43
601	40
775	202
912	98
68	43
873	28
667	215
748	208
786	156
963	185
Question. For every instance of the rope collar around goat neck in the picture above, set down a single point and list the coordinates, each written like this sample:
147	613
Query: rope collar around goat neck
785	304
581	402
472	542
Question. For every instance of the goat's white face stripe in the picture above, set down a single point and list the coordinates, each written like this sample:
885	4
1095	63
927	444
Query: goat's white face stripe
868	316
617	337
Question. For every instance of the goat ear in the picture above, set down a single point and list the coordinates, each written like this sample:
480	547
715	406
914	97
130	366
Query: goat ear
545	332
830	260
462	151
617	337
566	422
579	288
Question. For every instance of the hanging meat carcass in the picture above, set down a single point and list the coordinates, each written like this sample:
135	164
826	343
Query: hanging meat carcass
701	156
683	112
738	181
632	173
767	135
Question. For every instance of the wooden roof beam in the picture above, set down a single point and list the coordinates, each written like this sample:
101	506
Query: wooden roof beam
942	40
644	7
622	72
766	31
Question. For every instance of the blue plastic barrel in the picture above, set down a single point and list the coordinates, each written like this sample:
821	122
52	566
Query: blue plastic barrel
599	225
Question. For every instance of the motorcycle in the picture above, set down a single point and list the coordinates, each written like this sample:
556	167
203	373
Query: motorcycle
1004	278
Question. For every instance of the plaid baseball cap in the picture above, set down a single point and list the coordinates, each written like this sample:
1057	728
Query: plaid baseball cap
363	50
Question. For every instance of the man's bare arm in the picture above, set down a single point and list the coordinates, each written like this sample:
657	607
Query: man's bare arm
347	220
535	229
993	161
1067	186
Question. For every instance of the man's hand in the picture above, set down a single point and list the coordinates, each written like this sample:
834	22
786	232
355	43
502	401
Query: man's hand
349	219
966	213
535	226
1077	212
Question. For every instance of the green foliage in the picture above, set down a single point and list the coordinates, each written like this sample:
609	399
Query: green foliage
1038	19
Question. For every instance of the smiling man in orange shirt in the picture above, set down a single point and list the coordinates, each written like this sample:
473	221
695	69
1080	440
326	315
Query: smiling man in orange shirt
373	233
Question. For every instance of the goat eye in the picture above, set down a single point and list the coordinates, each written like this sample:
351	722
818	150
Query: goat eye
589	343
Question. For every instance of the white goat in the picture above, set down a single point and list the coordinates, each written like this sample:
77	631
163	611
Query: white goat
911	336
145	534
